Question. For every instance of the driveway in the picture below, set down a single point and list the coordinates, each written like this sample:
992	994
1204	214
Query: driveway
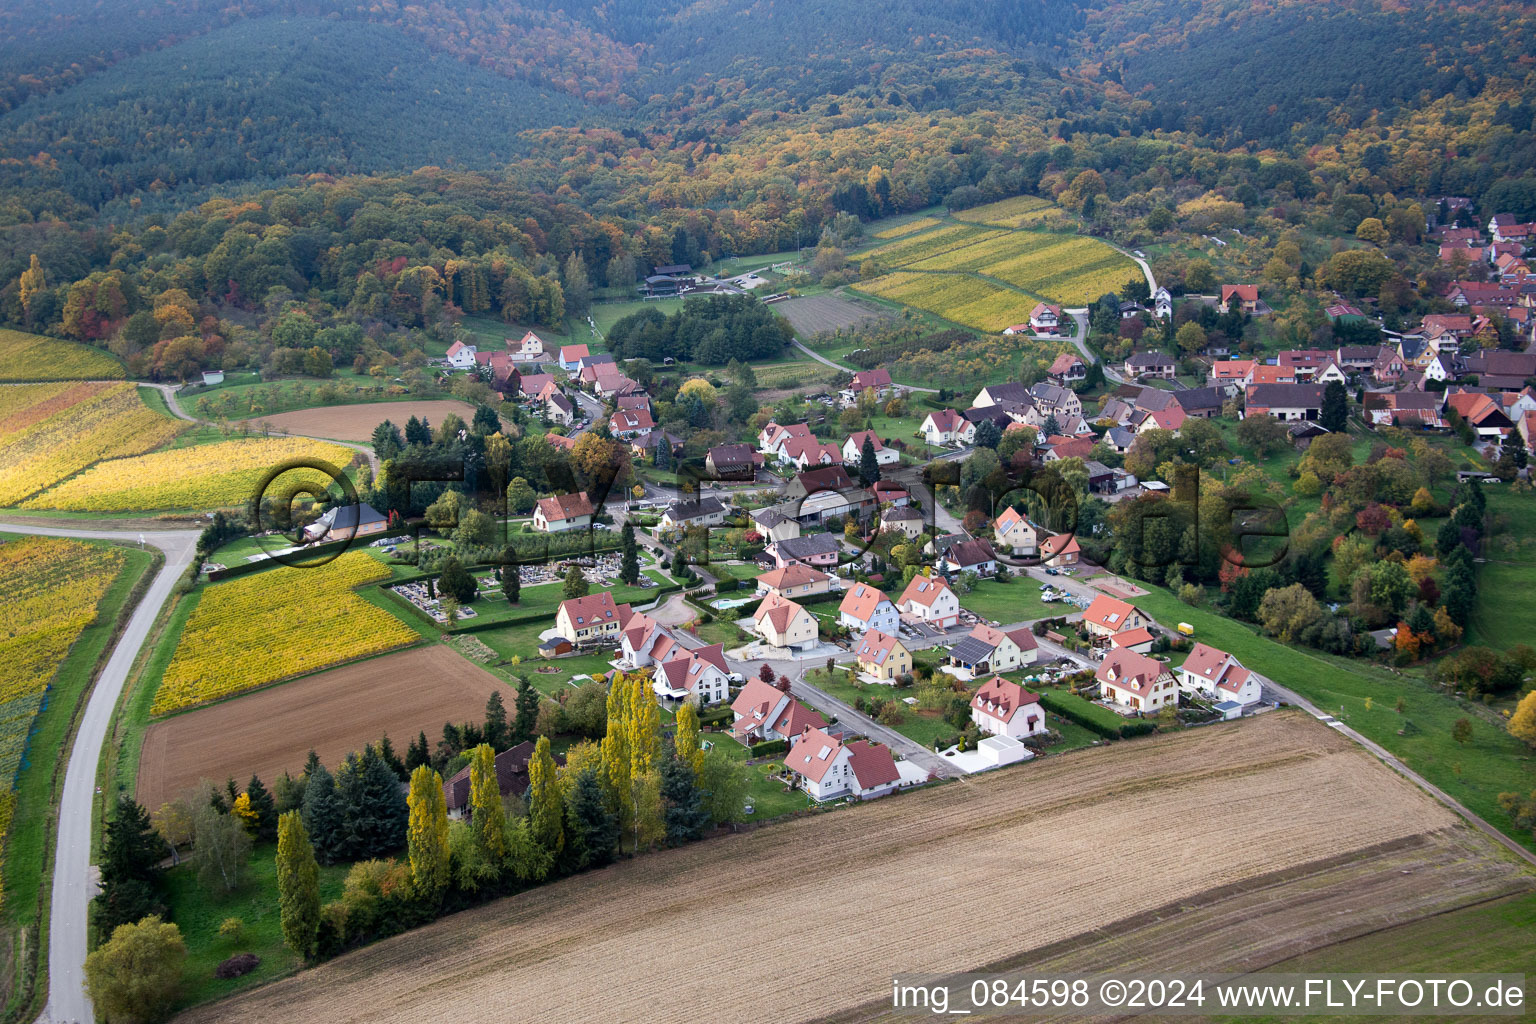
860	722
73	881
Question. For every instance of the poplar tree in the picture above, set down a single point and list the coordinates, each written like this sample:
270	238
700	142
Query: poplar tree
427	835
489	819
616	747
544	803
644	729
298	885
687	739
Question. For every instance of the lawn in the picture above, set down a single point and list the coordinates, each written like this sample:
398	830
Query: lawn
768	797
1018	600
1506	583
246	396
1475	773
198	911
919	726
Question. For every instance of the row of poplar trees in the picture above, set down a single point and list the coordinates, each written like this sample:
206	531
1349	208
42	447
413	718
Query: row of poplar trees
634	790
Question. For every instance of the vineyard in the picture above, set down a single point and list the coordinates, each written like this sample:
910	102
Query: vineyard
201	477
931	243
33	357
274	625
961	298
51	431
1018	212
1068	269
51	589
921	224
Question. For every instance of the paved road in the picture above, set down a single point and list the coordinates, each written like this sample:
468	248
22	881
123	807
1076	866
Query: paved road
73	885
847	369
828	704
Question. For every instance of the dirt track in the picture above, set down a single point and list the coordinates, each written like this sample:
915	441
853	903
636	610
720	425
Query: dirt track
806	919
356	422
333	713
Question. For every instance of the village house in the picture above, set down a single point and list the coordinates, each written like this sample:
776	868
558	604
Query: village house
930	600
853	449
783	623
1002	708
908	521
700	677
1284	401
1107	616
1068	369
559	410
1501	371
1162	303
1012	393
1139	640
1200	403
689	512
1014	534
1480	412
461	355
888	492
970	556
571	357
511	779
1150	364
1136	681
881	656
1045	318
732	462
1305	362
1357	359
865	608
773	525
829	768
947	427
808	452
1247	296
628	424
1212	672
591	620
645	642
1231	375
990	650
877	380
1060	551
527	349
765	712
794	580
1388	367
562	512
1272	373
813	549
773	435
346	522
1055	400
1413	410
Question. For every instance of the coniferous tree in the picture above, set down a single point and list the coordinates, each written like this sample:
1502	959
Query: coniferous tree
496	732
374	811
392	759
130	868
418	753
454	581
527	708
511	582
683	810
486	814
544	803
322	814
427	834
869	465
576	584
592	830
298	885
629	560
265	809
1335	411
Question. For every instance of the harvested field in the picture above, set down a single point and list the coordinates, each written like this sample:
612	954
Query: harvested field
816	313
356	422
334	712
1175	822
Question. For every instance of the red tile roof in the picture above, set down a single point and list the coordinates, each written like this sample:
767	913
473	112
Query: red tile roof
875	646
1002	699
565	506
861	602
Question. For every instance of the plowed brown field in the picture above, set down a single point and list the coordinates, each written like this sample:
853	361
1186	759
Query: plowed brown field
806	919
333	713
356	422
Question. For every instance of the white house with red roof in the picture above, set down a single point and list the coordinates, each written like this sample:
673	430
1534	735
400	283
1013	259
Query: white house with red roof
1001	708
592	619
1107	616
1136	681
930	600
528	349
783	623
865	607
1139	640
771	438
946	426
989	650
1014	533
628	424
765	712
794	580
1212	672
881	656
1045	318
829	768
877	380
645	642
461	355
562	512
853	449
700	677
809	452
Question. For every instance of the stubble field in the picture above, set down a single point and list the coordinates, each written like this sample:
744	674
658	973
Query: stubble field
356	422
332	713
812	918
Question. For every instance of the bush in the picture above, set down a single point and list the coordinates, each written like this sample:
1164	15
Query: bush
1090	716
237	965
231	927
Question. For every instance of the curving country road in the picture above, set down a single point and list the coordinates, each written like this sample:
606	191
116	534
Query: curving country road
171	403
73	885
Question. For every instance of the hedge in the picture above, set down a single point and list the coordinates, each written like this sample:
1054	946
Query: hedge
330	547
476	626
1095	719
768	749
